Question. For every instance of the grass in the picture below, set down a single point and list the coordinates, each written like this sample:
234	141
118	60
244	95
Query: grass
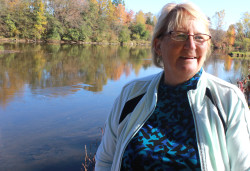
89	159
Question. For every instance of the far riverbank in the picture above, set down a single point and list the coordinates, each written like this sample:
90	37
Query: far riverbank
130	43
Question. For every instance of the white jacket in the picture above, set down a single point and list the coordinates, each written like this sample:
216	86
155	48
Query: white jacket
221	116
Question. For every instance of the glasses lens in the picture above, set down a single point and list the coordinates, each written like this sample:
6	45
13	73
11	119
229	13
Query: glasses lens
179	36
201	37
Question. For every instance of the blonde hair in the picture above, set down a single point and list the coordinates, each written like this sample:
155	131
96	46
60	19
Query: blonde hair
172	17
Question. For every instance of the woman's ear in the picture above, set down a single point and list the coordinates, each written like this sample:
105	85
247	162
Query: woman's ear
157	45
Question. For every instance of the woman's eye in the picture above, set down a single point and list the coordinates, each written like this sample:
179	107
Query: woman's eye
181	36
198	37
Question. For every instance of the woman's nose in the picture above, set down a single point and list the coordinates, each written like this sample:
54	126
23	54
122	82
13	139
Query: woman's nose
190	43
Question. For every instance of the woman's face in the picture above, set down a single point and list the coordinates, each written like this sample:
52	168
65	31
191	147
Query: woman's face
182	59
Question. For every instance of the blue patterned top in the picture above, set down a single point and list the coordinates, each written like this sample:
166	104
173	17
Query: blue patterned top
167	141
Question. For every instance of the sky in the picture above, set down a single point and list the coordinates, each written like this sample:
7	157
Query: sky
234	9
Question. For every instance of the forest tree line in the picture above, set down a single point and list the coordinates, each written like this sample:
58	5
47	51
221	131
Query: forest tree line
100	21
74	20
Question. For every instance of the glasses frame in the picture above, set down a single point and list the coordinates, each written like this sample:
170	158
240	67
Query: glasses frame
188	35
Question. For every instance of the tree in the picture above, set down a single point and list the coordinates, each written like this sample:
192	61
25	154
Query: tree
121	14
54	29
218	21
217	33
149	18
139	18
124	35
90	21
95	22
16	18
40	19
246	24
129	17
231	35
11	26
239	32
139	31
68	12
110	12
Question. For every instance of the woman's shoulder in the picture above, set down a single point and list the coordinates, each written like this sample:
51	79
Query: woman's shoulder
223	88
216	81
141	84
146	79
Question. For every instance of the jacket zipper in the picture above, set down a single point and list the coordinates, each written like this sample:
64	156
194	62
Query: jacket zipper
197	134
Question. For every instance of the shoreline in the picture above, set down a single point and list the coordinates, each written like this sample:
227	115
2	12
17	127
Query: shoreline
131	43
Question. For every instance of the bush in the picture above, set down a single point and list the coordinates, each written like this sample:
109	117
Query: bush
135	36
145	35
85	33
74	34
139	32
124	35
246	44
54	36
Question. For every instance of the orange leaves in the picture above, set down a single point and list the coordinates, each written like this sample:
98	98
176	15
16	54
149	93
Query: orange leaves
121	13
118	13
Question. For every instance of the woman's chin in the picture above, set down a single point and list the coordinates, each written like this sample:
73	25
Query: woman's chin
191	68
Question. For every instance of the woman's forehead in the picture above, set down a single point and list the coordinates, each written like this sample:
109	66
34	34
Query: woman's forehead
193	24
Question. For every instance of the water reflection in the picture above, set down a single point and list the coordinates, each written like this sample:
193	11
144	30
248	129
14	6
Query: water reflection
54	98
227	68
46	66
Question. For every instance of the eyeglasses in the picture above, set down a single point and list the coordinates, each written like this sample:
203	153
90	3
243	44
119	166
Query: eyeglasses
199	38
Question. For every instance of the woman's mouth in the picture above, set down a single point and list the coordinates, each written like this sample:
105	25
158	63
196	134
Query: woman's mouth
189	57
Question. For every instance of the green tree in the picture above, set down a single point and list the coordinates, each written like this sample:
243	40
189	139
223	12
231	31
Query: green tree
85	33
54	28
124	35
90	18
96	22
73	34
139	31
13	31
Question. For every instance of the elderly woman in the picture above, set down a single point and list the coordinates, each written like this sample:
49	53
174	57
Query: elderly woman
182	118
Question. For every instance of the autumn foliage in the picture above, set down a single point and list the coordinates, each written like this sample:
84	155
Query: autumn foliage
72	20
237	35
